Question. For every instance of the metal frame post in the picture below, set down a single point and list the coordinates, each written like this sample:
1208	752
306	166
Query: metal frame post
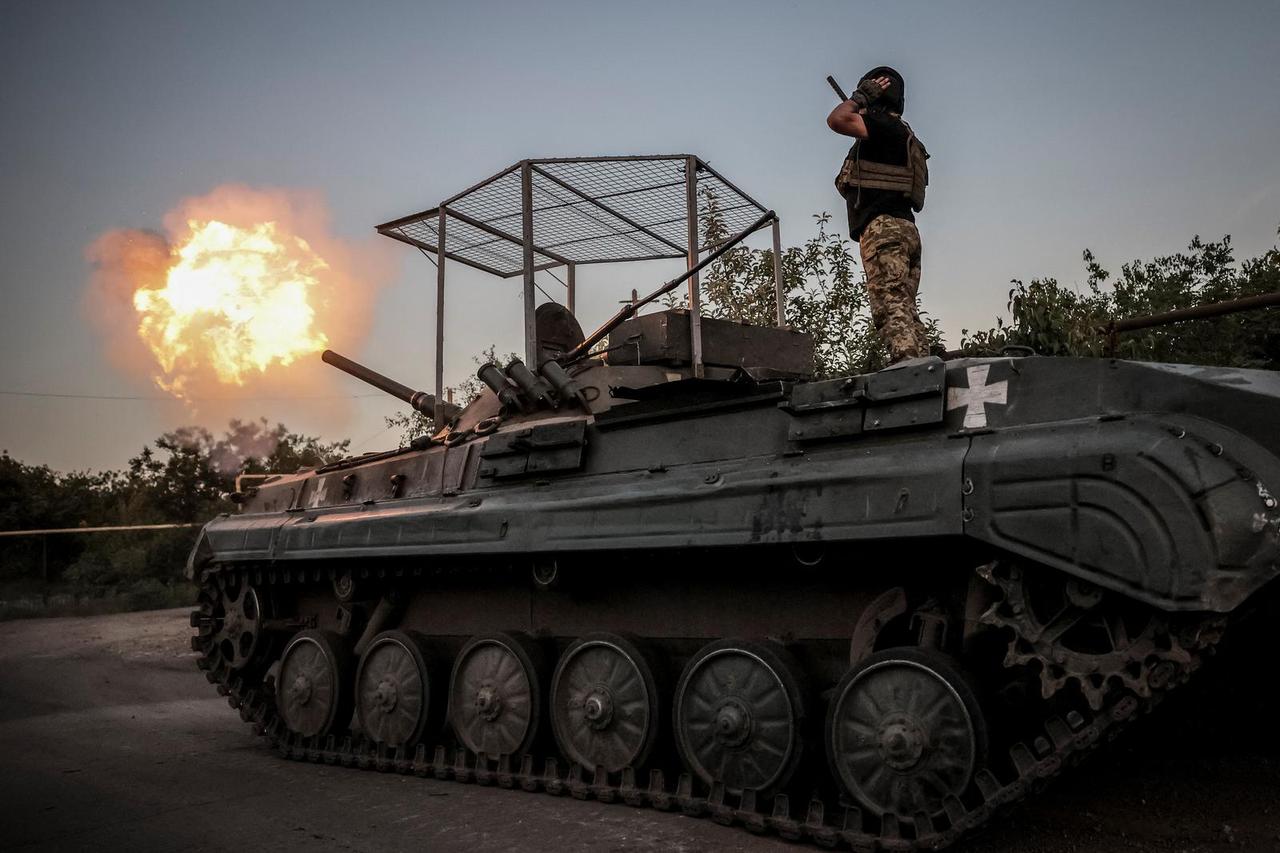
778	293
695	308
572	284
440	226
526	216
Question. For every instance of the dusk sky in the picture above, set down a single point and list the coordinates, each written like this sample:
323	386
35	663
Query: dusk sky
1126	128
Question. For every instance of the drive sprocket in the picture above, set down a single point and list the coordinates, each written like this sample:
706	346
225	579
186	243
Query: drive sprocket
1081	633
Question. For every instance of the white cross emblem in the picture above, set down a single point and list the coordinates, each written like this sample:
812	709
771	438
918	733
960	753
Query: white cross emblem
977	396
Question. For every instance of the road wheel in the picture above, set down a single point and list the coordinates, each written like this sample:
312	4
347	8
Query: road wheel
904	731
604	703
740	712
394	693
313	691
495	694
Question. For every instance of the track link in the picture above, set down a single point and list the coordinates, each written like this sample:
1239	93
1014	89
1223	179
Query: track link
1063	741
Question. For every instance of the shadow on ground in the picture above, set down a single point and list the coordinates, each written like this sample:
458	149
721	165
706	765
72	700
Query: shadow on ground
110	738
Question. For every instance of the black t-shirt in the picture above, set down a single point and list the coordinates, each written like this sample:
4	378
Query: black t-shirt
886	143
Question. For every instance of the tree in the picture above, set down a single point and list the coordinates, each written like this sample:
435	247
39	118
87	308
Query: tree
1054	320
824	288
34	497
261	449
413	424
176	481
182	477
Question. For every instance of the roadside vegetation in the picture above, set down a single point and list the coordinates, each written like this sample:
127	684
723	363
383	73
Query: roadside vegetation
1053	319
182	477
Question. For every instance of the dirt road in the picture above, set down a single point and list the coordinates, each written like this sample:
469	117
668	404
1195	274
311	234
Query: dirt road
110	739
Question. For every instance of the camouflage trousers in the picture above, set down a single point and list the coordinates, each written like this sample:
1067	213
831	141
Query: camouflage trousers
891	258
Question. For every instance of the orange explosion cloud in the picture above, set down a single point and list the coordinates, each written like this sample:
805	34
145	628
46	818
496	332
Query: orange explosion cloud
243	283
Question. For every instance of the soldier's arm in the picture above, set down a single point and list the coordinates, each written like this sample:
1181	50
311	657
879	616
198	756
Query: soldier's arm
846	119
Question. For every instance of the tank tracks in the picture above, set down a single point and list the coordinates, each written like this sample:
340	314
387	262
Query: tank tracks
1063	741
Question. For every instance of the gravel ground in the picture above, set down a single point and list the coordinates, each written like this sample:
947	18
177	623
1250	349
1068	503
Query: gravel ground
109	738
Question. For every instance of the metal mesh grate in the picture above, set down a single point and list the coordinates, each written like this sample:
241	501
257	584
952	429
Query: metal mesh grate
585	210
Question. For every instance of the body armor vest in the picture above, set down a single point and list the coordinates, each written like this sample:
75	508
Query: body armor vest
910	180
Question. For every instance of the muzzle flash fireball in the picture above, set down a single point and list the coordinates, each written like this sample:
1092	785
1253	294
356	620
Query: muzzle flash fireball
237	300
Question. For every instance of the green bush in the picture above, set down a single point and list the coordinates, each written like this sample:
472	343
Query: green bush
1054	320
183	477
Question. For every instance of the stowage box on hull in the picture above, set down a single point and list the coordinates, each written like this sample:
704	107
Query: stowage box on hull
663	338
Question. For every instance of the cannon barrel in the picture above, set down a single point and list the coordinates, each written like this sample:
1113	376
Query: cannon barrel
419	400
1197	312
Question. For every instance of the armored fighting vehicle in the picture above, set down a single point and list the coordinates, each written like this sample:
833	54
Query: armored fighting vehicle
659	564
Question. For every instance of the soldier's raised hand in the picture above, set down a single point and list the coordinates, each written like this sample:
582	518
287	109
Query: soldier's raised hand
869	90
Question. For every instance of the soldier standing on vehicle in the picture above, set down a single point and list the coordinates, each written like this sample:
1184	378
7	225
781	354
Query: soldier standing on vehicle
883	181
